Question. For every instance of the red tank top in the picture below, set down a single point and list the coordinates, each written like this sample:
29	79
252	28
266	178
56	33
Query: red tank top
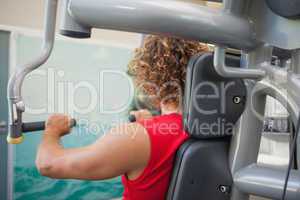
166	135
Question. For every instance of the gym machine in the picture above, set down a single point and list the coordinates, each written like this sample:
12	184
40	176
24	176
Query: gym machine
255	27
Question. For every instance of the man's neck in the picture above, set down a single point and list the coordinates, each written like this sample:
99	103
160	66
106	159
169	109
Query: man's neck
168	109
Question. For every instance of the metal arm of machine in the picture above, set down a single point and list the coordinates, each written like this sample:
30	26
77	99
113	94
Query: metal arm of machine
233	72
267	182
16	105
180	18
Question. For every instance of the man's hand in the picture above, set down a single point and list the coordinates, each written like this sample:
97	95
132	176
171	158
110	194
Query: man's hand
141	114
58	124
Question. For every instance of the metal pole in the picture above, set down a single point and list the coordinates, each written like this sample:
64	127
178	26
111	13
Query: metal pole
245	142
16	105
15	82
4	157
295	61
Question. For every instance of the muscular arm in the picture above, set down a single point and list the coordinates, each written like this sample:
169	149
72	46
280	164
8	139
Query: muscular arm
124	149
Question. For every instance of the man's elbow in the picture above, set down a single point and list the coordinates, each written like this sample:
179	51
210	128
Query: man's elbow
43	167
48	168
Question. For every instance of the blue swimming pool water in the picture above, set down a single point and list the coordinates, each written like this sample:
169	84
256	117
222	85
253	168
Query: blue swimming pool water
30	185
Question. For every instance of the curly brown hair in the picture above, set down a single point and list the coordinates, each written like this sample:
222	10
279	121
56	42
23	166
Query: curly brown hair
159	67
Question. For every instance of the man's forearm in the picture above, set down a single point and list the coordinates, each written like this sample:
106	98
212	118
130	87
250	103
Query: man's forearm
55	161
48	150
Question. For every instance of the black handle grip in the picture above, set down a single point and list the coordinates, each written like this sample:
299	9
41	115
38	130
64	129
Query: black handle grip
39	126
131	118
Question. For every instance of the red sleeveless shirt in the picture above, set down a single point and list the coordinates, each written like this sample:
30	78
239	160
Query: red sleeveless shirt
166	134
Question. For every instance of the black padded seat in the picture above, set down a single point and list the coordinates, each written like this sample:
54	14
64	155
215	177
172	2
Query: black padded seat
201	170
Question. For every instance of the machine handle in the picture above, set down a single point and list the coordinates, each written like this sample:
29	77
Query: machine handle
39	126
131	118
231	72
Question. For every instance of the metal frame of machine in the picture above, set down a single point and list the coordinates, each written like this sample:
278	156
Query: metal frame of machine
247	25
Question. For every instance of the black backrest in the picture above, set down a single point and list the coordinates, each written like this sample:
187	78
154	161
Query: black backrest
201	170
212	104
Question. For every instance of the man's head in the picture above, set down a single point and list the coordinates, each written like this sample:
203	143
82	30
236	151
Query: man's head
159	68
